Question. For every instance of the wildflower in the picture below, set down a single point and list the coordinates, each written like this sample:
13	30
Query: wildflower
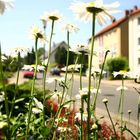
84	91
96	70
62	129
78	116
43	18
36	110
2	97
70	28
105	100
81	49
5	4
38	104
129	111
94	126
54	15
84	11
121	72
3	124
37	33
3	58
19	50
121	88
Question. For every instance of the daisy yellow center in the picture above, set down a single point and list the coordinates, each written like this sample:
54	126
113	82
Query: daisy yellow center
53	18
91	3
92	9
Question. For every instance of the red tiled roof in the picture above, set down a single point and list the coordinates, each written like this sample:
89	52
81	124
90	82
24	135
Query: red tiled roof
111	26
116	23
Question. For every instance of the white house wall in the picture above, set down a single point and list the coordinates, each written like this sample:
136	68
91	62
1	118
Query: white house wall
134	48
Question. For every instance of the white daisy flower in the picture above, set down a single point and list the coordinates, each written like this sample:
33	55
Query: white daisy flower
5	5
84	91
36	110
84	11
121	72
96	70
3	124
105	100
94	126
38	104
19	50
121	88
3	58
78	116
43	18
129	111
54	15
2	97
62	129
70	28
80	49
37	33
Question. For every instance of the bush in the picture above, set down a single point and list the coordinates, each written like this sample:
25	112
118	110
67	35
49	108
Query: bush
116	64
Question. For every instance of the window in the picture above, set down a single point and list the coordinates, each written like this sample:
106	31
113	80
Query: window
139	61
139	41
139	21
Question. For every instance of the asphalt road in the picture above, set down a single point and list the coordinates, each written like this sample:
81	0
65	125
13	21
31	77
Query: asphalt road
108	90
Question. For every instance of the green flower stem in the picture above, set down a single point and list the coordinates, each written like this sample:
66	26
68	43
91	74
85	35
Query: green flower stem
98	86
72	77
50	42
45	72
128	130
6	97
89	80
81	111
111	121
81	72
82	100
32	90
16	87
122	107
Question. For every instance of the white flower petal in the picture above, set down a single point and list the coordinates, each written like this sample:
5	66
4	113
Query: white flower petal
80	9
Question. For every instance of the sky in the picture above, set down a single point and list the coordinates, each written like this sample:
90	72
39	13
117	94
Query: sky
16	23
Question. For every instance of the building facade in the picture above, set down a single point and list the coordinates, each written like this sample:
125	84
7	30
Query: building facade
122	38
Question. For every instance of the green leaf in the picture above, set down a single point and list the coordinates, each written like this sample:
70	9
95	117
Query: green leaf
45	131
19	100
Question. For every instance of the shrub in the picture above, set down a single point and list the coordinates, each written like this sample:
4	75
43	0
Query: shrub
116	64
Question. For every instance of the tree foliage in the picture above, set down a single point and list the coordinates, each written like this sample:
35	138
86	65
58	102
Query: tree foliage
61	56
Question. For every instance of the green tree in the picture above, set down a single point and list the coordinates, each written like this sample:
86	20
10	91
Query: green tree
30	58
61	56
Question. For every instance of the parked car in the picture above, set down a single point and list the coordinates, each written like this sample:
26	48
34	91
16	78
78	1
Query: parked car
28	74
55	71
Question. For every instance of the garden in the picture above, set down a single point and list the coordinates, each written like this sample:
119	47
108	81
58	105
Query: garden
31	112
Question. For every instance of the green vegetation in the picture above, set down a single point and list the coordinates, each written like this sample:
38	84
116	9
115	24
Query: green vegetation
116	64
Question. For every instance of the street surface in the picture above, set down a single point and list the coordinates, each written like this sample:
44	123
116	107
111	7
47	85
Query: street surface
108	90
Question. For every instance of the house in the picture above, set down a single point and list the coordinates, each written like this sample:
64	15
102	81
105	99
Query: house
54	49
122	38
